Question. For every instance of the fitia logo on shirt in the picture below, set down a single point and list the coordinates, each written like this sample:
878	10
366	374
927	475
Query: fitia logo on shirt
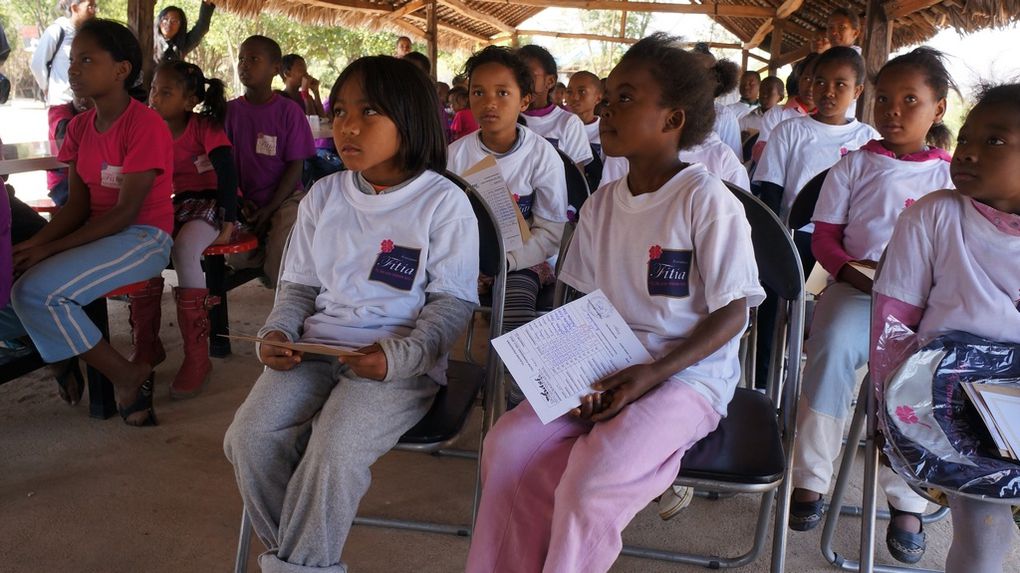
524	203
396	266
668	272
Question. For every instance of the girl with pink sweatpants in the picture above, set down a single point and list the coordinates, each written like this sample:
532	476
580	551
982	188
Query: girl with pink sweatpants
671	248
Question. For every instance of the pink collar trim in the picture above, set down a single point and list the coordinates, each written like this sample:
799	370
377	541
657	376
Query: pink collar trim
541	112
875	146
1007	223
795	103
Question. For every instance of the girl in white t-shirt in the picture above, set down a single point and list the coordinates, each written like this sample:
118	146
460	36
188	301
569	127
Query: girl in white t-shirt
544	116
860	201
499	90
798	105
951	265
356	275
671	248
803	147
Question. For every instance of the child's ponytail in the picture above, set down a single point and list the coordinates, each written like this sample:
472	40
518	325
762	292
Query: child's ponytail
931	63
214	105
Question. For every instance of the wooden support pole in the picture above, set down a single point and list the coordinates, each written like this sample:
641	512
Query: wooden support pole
432	31
623	22
743	59
776	46
878	29
140	16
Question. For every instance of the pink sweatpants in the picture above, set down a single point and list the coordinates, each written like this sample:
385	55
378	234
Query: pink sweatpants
556	497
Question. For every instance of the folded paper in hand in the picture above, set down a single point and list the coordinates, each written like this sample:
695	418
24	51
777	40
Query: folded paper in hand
557	357
487	180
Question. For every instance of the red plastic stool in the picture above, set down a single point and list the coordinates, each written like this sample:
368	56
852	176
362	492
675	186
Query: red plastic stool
101	402
216	281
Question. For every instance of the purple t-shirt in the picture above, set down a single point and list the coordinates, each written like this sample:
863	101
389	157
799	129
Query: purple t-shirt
266	138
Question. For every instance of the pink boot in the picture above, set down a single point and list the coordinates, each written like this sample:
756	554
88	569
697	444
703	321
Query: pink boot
144	317
193	306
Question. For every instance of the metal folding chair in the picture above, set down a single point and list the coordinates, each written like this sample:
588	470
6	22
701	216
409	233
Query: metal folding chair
751	450
445	421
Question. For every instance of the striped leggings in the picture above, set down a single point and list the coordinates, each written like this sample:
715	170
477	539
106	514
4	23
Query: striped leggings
47	302
522	288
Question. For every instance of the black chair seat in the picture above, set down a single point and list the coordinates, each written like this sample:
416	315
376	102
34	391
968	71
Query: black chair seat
745	448
451	407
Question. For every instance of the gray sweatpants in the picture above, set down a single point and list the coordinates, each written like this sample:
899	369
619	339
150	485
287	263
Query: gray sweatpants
302	444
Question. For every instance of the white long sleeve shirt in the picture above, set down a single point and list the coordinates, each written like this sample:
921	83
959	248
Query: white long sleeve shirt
54	84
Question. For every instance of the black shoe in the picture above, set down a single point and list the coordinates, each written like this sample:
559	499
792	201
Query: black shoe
905	546
806	515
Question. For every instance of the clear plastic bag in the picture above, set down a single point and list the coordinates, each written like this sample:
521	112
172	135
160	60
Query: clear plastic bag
934	435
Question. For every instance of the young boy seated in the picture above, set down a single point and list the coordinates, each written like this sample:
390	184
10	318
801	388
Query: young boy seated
271	140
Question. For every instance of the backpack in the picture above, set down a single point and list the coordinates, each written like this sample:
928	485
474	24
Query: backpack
53	56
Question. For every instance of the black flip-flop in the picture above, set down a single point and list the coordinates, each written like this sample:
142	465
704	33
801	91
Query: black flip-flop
905	546
70	382
143	403
806	515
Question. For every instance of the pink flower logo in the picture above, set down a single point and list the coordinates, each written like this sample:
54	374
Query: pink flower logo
517	198
654	252
386	246
843	151
908	203
907	415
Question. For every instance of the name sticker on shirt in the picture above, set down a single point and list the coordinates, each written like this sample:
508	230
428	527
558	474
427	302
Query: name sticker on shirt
669	272
111	176
524	204
202	164
265	144
396	265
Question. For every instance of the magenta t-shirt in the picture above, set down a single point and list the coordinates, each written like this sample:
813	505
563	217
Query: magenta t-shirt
57	114
138	141
192	168
266	138
463	124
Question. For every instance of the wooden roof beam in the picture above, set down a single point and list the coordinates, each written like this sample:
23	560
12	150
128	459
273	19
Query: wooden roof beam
599	38
900	8
446	27
360	5
468	12
722	10
406	9
784	10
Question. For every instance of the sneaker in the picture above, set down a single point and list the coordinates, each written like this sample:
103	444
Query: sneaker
673	500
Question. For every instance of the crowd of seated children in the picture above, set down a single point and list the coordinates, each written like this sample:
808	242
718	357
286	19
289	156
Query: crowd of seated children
544	115
771	92
271	141
860	201
584	92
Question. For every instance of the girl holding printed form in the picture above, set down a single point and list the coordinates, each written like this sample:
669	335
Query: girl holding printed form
951	265
863	195
671	248
356	274
499	90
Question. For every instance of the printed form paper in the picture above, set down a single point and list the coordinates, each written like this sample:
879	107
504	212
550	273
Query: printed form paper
488	181
557	357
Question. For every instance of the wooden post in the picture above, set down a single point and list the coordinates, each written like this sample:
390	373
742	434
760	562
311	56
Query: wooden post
432	31
515	40
140	16
743	59
776	46
878	29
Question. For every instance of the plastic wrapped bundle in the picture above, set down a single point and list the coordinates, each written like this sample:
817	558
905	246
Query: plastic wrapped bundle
934	436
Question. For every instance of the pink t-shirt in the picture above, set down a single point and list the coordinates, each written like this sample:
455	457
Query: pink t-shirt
138	141
266	138
58	113
463	124
192	169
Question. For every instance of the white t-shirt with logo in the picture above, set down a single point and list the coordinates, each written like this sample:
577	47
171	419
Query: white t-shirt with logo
867	192
667	260
374	269
802	147
948	259
715	155
565	131
533	171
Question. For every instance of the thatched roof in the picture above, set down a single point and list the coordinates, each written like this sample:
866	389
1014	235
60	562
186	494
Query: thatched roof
470	23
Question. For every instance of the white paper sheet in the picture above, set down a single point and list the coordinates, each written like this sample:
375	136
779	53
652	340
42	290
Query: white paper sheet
557	357
488	181
1003	403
